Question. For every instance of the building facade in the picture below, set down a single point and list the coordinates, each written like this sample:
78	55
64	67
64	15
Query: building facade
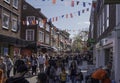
35	28
10	14
106	48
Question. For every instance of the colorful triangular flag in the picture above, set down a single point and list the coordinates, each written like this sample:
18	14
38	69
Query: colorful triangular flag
84	4
77	2
72	3
53	1
78	13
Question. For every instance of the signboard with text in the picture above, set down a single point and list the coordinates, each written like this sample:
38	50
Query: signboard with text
111	1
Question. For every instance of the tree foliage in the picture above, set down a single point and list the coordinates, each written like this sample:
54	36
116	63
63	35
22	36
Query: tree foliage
79	41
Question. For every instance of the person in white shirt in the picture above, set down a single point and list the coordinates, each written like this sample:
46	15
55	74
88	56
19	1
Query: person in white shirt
41	61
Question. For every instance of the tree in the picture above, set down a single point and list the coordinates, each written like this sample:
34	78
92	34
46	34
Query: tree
79	41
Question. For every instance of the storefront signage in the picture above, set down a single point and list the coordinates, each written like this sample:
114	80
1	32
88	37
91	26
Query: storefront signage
111	1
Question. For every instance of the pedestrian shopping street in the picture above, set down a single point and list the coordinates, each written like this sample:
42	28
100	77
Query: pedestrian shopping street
59	41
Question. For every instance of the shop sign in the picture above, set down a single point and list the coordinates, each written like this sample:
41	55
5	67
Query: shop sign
111	1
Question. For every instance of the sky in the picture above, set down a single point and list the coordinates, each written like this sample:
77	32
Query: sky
73	24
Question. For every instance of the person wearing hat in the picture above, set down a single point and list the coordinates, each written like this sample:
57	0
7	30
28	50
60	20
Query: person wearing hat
19	76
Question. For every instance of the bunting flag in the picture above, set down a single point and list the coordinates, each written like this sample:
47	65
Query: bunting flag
87	9
71	15
83	11
56	18
62	16
66	15
24	22
28	23
78	13
53	19
84	4
53	1
72	3
77	2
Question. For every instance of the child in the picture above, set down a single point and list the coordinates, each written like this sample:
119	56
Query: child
63	76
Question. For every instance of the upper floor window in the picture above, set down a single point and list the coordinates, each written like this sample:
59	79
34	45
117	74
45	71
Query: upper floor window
8	1
14	24
5	21
47	39
41	23
107	16
41	36
30	34
15	4
30	20
47	27
103	21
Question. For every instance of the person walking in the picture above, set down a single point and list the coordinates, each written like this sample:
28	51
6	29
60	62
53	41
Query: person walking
9	64
34	65
73	71
3	70
41	61
79	76
19	76
42	78
63	76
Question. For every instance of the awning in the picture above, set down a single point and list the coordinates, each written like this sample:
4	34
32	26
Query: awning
12	41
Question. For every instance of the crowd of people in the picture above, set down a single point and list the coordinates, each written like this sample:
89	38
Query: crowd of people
48	69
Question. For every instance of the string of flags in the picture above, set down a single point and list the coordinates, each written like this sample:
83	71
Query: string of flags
72	2
54	19
70	15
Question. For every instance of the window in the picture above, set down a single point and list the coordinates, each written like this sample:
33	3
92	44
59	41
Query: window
14	25
41	36
5	21
47	39
30	35
15	3
8	1
41	23
30	20
47	27
107	18
103	29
